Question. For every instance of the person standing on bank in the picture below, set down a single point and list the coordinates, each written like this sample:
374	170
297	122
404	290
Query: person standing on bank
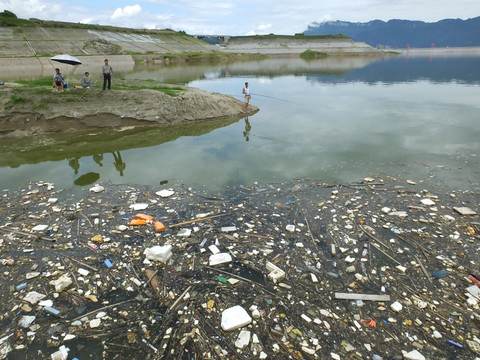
107	74
246	92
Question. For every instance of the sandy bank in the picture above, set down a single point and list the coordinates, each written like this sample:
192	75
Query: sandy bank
31	112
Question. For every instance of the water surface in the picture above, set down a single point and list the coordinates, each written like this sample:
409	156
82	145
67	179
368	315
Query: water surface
336	120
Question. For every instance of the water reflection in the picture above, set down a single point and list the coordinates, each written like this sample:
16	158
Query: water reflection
74	164
87	179
248	127
335	119
120	165
126	68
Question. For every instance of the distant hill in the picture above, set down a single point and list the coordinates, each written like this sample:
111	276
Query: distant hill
399	33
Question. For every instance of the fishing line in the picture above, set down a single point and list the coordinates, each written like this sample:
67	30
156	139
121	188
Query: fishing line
272	97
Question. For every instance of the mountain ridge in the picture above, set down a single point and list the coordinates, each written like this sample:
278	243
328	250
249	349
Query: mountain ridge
397	33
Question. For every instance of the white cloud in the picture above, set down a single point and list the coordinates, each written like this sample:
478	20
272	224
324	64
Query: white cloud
28	9
264	27
237	18
127	11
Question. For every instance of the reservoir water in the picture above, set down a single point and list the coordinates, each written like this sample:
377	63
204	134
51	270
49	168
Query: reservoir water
335	120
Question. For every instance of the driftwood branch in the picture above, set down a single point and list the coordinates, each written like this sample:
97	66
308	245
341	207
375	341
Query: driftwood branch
198	220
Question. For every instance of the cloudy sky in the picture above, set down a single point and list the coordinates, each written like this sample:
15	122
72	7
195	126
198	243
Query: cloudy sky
235	17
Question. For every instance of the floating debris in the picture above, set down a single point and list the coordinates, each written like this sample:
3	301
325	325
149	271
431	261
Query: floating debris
381	269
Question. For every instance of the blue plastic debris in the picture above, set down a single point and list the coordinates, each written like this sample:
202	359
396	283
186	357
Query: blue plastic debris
453	343
108	263
439	274
21	286
52	310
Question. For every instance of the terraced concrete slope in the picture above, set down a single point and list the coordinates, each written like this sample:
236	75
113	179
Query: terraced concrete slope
45	41
36	41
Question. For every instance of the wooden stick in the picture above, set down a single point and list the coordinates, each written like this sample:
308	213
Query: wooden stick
369	297
414	245
423	268
384	253
87	219
86	265
100	309
197	220
180	298
311	235
150	279
27	234
374	238
230	274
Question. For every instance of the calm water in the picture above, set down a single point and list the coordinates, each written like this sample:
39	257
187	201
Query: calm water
334	120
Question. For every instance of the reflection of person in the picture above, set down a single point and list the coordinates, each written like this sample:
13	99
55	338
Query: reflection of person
98	158
107	74
86	82
58	80
119	164
246	92
246	133
74	164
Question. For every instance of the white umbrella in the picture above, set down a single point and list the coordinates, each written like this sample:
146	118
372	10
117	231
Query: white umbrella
66	59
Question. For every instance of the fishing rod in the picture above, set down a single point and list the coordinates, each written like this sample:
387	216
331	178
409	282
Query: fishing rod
272	97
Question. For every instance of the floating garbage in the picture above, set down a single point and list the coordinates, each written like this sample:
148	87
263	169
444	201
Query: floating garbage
380	269
159	253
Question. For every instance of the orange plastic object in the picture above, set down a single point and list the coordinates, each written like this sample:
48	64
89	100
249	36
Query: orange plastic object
144	217
137	222
158	226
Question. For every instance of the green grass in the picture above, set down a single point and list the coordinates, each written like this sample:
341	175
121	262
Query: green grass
169	90
41	106
312	54
15	99
36	82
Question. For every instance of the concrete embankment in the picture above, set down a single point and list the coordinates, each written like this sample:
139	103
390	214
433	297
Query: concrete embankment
293	45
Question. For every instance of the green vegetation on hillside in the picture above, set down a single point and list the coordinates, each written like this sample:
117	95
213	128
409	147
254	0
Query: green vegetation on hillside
312	54
8	18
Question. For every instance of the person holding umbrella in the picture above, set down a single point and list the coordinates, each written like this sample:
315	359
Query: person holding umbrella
58	80
107	74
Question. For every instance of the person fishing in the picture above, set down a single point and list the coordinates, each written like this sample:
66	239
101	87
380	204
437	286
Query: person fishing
246	92
58	80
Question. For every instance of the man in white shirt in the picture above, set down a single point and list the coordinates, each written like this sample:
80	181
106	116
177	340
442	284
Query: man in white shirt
246	92
107	74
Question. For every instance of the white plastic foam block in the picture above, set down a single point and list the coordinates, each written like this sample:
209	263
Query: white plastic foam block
234	318
276	274
159	253
220	258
